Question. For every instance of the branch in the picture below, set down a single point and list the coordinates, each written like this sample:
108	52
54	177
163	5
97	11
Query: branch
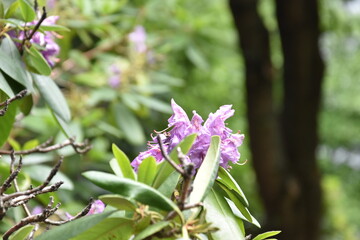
6	103
167	158
44	147
47	212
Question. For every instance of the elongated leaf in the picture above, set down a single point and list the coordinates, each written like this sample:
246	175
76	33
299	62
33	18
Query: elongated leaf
239	214
168	186
147	170
151	229
26	104
207	172
226	179
132	190
27	11
154	103
53	96
220	215
73	229
12	65
7	120
129	124
123	163
37	61
165	169
10	11
115	167
266	235
22	233
5	87
240	206
118	201
111	228
56	28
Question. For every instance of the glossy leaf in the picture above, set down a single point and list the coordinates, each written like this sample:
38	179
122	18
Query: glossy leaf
226	179
27	11
56	28
13	7
165	169
11	63
22	233
132	190
36	60
266	235
220	215
123	163
7	120
207	172
239	214
26	104
168	186
53	96
147	170
5	87
118	201
128	124
115	167
75	228
121	228
151	229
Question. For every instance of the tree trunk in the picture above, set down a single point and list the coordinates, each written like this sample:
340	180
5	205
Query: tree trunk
284	157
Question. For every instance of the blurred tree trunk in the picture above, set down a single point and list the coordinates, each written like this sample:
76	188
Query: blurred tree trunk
283	148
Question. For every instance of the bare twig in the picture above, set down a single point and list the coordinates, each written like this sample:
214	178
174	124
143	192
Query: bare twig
12	177
47	212
45	148
167	158
77	216
6	103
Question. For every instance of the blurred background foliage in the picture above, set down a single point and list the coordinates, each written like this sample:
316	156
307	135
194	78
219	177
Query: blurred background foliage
120	94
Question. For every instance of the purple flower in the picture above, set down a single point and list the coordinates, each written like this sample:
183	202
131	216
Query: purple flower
114	80
138	38
45	40
181	127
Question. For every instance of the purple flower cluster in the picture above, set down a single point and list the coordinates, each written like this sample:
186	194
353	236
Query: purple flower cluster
114	80
45	40
181	127
96	207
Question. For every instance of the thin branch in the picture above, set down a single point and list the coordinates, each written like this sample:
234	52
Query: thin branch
47	212
44	148
13	174
6	103
77	216
167	158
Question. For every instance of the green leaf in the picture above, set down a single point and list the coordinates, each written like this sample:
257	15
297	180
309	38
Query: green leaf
36	60
13	7
147	170
12	65
220	215
266	235
75	228
227	180
26	104
151	229
118	201
27	11
110	228
65	128
129	124
4	86
115	167
236	211
168	186
197	57
22	233
40	172
123	163
154	103
56	28
7	120
132	190
2	10
52	96
207	172
165	169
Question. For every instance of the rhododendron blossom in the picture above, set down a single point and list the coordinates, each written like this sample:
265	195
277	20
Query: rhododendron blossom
181	126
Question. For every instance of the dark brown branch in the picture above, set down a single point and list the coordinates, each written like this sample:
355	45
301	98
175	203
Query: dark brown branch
44	148
167	158
6	103
7	184
47	212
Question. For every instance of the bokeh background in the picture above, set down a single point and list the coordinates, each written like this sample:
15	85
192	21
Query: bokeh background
122	61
